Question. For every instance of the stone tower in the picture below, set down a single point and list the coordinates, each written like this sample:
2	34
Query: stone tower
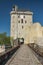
21	21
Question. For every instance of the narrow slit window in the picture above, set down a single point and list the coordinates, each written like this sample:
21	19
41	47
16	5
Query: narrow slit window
24	16
22	27
25	21
18	21
21	20
19	16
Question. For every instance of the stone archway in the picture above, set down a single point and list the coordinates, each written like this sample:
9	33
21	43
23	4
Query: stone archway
21	40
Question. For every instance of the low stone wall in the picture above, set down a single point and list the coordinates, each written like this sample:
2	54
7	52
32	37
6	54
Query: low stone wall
7	55
37	48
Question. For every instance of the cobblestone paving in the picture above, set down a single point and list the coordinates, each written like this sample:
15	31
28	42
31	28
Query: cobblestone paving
24	56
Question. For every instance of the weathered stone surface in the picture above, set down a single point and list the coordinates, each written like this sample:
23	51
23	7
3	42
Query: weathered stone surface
22	26
24	56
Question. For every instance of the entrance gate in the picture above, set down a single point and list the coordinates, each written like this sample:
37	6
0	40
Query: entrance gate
21	40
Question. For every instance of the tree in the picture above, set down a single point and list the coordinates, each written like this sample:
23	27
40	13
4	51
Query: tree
4	39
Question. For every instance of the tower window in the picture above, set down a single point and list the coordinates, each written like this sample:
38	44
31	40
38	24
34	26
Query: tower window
24	16
25	21
22	27
21	20
18	16
18	21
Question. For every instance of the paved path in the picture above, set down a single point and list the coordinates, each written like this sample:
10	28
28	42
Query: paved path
24	56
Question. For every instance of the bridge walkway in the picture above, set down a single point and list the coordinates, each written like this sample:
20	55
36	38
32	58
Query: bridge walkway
24	56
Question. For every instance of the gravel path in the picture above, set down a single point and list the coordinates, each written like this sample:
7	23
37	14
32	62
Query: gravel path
24	56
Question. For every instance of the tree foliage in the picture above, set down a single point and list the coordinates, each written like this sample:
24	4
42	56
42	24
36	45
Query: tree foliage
4	39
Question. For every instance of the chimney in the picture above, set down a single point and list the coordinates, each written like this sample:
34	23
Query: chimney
15	8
